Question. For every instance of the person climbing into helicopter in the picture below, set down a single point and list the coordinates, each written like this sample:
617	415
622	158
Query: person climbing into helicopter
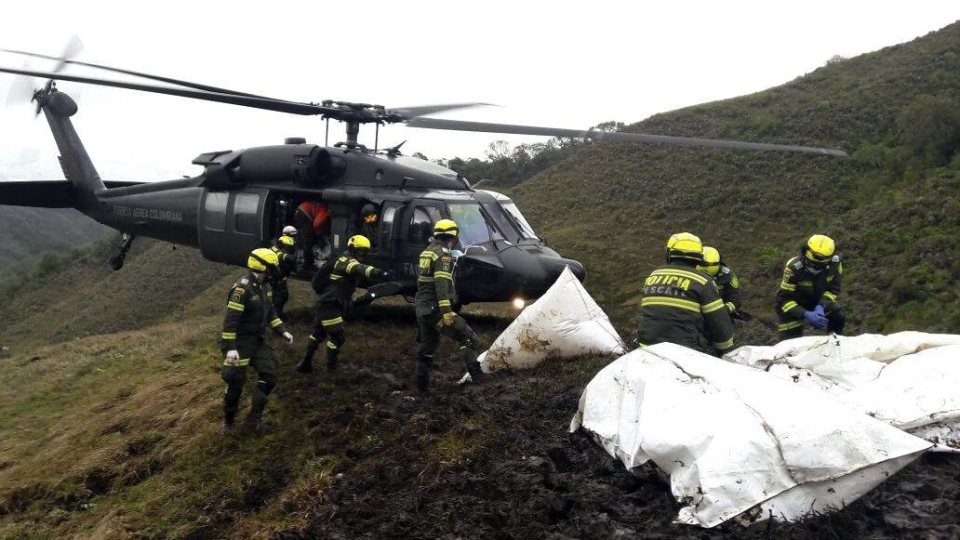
249	313
369	216
727	281
285	247
335	283
311	219
682	304
435	298
810	288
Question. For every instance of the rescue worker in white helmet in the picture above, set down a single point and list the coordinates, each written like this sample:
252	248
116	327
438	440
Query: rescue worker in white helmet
810	289
436	296
335	283
682	304
727	281
249	313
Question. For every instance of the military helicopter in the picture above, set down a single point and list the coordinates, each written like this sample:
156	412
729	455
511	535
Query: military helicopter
245	197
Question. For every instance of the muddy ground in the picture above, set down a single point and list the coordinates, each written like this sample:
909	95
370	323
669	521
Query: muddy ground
496	461
358	454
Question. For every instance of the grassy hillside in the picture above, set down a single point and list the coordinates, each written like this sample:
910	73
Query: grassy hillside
111	394
30	233
888	207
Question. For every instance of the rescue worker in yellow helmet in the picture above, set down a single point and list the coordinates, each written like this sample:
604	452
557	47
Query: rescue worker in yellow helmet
436	296
727	281
249	313
682	304
810	289
285	248
335	286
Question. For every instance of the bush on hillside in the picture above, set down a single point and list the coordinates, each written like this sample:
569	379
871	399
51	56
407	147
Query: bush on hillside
930	126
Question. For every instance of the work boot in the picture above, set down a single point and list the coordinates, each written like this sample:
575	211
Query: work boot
306	365
332	362
423	375
476	372
228	429
257	404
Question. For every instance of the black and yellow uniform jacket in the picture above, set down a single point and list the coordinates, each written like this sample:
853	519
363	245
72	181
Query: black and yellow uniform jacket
729	286
346	273
435	288
801	289
249	313
682	305
278	280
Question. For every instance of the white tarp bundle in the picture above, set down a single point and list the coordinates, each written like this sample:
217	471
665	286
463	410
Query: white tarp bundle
564	322
735	440
910	380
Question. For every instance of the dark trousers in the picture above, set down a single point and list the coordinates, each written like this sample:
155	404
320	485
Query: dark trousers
260	356
431	328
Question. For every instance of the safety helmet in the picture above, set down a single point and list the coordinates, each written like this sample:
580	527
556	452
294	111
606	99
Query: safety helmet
287	241
819	248
358	242
262	260
369	213
685	246
445	227
289	230
711	261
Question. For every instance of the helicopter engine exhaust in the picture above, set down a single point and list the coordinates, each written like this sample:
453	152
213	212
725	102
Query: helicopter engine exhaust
306	165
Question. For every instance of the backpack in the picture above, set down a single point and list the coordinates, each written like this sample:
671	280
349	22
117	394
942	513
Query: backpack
321	280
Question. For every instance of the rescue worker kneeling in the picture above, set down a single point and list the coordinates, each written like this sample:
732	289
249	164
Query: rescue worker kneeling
335	298
810	288
249	312
682	305
435	298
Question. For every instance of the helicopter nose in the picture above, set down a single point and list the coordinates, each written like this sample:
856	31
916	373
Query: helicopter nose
553	267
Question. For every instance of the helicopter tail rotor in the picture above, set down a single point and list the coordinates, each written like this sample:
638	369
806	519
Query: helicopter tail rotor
25	88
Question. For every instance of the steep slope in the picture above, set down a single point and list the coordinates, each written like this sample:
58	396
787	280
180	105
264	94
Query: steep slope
30	233
614	206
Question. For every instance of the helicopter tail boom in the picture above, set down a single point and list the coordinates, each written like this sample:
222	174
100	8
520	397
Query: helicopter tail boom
77	166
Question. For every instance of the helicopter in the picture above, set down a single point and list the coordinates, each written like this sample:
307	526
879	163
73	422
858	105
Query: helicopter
244	198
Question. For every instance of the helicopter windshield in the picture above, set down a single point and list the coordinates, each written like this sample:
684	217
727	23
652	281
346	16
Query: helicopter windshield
473	224
525	229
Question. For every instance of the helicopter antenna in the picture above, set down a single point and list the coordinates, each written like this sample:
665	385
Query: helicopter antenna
326	138
376	138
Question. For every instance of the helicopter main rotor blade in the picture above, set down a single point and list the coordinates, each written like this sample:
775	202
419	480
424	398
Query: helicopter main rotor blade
459	125
65	59
421	110
268	104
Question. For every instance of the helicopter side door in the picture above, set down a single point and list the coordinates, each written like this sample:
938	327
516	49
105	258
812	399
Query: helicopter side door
232	224
417	228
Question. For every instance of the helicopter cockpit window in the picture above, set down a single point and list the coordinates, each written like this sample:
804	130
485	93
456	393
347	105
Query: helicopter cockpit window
525	229
245	208
473	224
421	226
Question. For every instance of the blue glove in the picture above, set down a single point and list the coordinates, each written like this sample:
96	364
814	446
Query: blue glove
819	309
815	319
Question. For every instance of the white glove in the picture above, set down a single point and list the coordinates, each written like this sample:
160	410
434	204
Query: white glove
233	355
289	337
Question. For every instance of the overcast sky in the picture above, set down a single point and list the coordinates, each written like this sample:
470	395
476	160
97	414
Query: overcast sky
560	64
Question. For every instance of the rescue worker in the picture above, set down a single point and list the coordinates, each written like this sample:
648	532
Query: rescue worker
682	304
809	289
727	282
284	248
336	298
435	299
249	312
369	215
311	220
